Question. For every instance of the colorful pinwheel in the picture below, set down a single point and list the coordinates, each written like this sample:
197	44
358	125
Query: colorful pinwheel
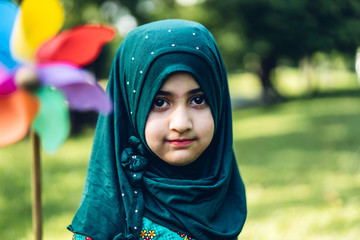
40	71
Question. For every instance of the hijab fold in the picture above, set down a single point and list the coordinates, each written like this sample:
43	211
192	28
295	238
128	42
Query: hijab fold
126	181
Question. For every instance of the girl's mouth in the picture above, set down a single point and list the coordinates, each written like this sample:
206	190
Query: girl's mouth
181	142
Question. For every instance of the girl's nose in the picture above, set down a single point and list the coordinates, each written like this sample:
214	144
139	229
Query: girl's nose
180	120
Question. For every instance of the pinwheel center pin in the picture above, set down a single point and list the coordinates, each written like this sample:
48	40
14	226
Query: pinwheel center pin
26	77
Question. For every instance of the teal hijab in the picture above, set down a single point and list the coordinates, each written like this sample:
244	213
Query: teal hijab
126	181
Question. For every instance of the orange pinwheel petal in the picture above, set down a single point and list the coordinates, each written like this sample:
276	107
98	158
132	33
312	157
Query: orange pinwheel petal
79	46
17	110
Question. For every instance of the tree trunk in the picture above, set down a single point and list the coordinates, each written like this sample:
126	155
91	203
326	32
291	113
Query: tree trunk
269	94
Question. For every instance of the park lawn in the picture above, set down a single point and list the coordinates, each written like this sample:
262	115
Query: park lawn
301	165
300	162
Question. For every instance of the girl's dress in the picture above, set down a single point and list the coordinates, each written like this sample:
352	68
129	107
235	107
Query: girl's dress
126	183
151	231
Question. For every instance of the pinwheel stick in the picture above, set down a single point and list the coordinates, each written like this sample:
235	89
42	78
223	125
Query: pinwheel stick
36	183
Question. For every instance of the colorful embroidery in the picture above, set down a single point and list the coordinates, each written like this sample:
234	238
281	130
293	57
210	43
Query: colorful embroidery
156	232
80	237
145	235
151	234
183	235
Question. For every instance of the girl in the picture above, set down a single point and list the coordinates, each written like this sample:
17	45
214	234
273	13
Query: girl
162	165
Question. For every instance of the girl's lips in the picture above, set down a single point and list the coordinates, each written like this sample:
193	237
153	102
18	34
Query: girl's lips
181	142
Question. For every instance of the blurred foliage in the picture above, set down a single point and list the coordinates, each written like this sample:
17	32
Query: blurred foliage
291	29
291	82
271	31
253	35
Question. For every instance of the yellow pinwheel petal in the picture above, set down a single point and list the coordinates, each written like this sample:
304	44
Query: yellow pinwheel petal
37	21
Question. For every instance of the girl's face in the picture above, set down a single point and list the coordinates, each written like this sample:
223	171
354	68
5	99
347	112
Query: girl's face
180	125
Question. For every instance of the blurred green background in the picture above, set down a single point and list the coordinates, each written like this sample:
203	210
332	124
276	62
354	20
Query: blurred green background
296	110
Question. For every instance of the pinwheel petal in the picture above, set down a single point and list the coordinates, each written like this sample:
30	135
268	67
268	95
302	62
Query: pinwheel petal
60	74
81	90
37	21
80	45
7	60
17	110
8	12
85	97
7	84
52	122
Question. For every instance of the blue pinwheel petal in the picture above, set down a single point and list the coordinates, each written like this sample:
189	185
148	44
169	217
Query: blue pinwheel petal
8	11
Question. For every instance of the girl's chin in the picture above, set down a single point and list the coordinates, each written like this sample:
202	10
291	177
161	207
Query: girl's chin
179	159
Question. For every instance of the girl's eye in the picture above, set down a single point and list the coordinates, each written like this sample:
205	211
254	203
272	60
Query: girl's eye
160	103
198	100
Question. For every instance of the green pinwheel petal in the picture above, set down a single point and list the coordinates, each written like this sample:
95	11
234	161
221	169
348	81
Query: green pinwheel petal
52	122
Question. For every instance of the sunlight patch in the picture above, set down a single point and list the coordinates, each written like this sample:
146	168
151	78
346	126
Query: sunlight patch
188	2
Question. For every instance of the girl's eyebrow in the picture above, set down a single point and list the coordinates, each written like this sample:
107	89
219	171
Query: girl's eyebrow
196	90
166	93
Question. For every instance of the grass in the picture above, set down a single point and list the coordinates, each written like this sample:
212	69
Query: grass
63	176
299	161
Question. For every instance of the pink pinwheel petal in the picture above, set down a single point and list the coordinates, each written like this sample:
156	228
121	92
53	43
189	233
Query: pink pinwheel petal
85	97
79	86
80	45
7	84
